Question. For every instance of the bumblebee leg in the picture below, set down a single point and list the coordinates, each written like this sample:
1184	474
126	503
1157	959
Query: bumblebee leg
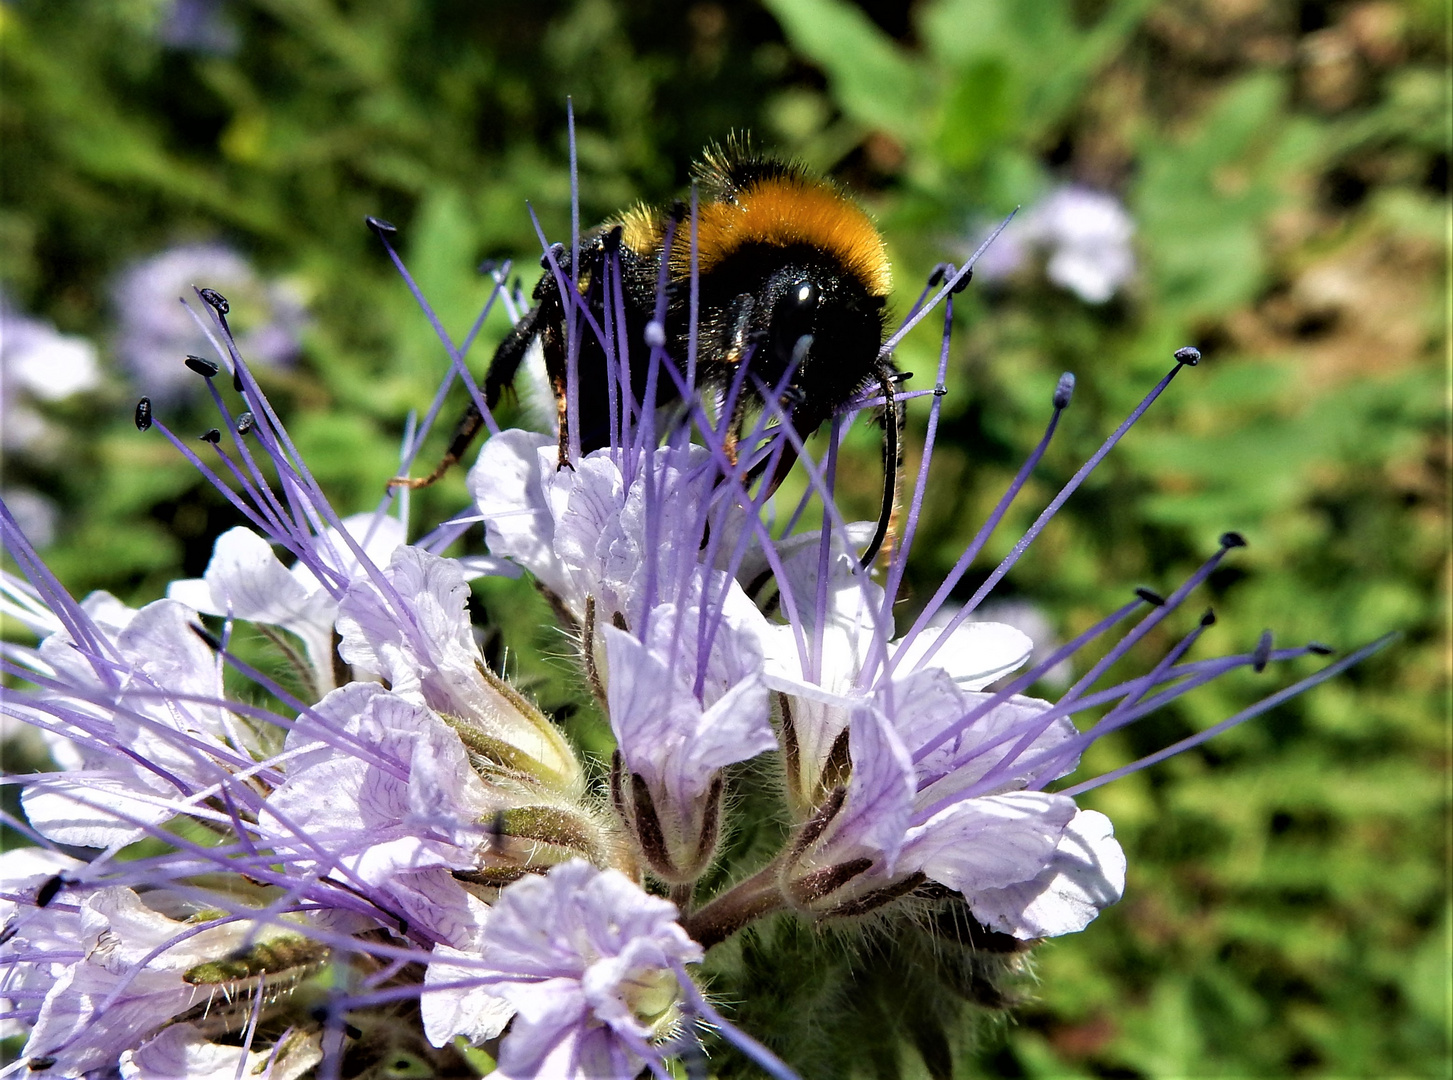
464	433
892	470
562	418
501	373
733	438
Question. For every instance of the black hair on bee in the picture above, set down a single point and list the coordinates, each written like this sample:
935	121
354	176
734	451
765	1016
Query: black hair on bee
792	279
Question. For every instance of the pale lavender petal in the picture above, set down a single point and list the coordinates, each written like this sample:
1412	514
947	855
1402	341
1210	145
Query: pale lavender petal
879	803
518	520
989	842
182	1052
1085	875
975	654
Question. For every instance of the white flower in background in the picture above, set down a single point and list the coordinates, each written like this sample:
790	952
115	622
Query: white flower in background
1085	236
156	332
37	364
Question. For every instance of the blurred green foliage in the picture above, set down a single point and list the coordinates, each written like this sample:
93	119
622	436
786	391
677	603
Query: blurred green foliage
1286	165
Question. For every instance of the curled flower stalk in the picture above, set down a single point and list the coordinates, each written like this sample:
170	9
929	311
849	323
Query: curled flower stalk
393	854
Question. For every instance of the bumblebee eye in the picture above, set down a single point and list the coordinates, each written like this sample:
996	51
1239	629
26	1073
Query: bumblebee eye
805	296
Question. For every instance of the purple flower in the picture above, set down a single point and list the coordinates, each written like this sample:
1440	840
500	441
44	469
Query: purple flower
1084	235
588	962
245	580
157	332
392	805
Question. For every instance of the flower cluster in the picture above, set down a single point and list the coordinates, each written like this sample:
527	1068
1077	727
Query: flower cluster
390	850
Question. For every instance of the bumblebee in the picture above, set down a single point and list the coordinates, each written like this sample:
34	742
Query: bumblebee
792	280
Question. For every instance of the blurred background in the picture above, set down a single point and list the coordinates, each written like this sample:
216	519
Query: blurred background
1264	179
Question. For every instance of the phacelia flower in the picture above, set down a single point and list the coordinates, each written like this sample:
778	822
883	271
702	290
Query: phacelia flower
589	965
383	833
1084	236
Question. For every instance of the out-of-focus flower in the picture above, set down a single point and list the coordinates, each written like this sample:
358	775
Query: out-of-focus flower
36	514
201	26
156	332
1084	236
37	364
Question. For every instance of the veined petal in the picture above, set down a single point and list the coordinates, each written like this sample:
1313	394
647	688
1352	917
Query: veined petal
989	842
1085	875
875	815
518	520
182	1052
974	655
458	1005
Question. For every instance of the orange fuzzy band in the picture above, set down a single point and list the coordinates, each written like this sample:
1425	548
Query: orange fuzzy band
785	211
782	211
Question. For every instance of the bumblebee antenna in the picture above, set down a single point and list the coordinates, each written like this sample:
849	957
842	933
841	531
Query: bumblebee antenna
892	462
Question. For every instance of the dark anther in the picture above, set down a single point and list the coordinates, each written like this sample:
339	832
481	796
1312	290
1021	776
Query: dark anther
940	390
1262	654
204	368
245	422
48	890
612	242
1151	597
1316	648
1190	355
557	253
237	380
964	281
40	1064
1064	390
207	637
1208	619
678	211
211	435
9	932
143	414
939	272
352	1032
901	377
320	1014
489	266
215	300
380	226
1232	540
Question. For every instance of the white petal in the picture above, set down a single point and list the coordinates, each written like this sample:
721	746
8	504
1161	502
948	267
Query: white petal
975	654
879	802
470	1011
518	520
989	842
1085	876
184	1053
